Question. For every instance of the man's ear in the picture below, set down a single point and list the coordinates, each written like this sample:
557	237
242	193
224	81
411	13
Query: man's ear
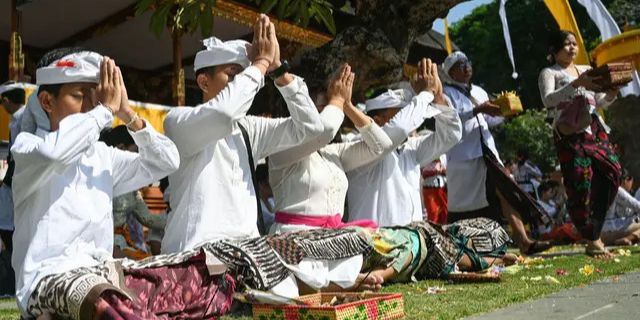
203	84
46	101
378	120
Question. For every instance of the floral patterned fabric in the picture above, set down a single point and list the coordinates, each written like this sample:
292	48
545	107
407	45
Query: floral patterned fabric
591	173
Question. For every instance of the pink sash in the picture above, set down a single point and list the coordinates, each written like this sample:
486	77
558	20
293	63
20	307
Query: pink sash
331	222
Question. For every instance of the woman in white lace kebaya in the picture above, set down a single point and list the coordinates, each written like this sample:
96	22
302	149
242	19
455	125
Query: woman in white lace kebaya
590	167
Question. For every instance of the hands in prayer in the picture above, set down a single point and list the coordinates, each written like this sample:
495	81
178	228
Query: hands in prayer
341	86
264	47
112	93
427	79
109	91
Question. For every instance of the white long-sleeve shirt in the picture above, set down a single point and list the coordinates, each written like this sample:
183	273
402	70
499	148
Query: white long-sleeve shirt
63	188
388	190
310	179
212	194
466	171
470	147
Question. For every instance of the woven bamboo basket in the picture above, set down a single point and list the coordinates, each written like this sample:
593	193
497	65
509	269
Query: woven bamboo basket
382	306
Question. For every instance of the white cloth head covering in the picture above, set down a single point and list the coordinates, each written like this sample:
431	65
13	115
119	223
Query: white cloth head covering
219	52
10	85
76	67
34	116
453	59
397	98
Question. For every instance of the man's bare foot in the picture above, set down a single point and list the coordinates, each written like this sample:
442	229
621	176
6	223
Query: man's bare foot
509	259
371	281
596	250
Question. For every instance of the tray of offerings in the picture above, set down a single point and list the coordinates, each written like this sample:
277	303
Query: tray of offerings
336	306
614	74
509	103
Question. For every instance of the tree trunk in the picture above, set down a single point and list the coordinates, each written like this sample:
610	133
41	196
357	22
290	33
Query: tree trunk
378	44
178	71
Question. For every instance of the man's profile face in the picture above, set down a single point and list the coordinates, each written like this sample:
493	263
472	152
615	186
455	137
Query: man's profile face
220	77
73	98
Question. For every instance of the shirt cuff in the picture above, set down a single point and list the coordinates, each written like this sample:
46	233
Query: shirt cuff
144	136
102	115
292	88
367	127
426	95
254	73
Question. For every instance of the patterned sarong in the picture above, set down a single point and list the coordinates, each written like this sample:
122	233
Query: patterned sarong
171	286
319	244
591	173
447	244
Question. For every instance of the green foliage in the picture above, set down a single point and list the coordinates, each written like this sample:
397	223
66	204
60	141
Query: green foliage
626	12
528	131
183	15
300	12
480	36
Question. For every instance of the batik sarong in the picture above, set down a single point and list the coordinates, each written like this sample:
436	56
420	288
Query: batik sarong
591	173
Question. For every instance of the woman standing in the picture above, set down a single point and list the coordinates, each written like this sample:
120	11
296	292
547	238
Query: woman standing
590	167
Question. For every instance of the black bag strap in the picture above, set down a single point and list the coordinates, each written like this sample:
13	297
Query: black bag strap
247	143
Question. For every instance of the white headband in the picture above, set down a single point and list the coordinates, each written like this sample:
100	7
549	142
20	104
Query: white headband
219	52
77	67
453	59
398	98
10	85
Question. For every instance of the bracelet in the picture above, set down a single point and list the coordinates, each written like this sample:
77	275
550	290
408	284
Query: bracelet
133	119
108	108
263	62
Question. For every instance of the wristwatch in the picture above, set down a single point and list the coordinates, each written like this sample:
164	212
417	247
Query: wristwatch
282	69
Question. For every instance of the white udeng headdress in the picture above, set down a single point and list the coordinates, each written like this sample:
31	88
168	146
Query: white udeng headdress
453	59
219	52
398	98
76	67
10	85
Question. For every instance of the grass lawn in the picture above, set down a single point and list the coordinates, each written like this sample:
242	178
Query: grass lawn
461	300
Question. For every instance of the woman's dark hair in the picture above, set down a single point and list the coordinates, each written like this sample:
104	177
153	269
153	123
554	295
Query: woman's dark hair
626	175
556	42
49	58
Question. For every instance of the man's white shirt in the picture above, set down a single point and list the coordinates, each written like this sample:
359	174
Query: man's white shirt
212	194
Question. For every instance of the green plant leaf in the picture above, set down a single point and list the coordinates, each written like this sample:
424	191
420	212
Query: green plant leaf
268	5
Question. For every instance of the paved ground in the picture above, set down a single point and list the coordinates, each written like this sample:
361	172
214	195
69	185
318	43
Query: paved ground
610	299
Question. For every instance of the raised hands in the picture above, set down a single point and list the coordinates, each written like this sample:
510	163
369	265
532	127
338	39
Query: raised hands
264	46
427	78
109	90
341	86
112	93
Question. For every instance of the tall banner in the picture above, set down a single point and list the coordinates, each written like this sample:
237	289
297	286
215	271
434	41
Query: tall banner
561	11
507	36
447	40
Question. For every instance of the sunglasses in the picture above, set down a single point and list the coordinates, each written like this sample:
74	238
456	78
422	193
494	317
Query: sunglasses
462	65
